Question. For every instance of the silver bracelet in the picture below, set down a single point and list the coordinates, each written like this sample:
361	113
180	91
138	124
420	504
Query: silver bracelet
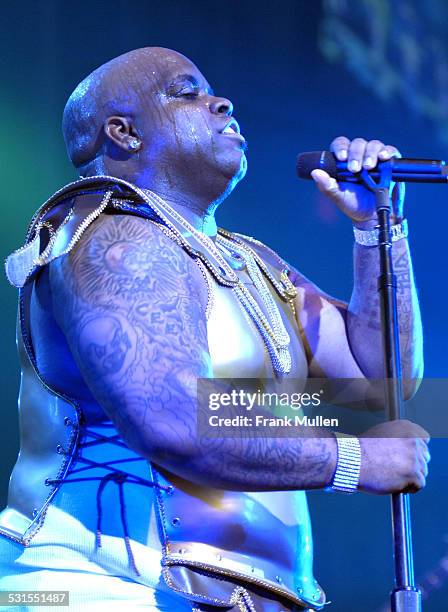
369	238
348	466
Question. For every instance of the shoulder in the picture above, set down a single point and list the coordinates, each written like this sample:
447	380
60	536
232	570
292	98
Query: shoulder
122	255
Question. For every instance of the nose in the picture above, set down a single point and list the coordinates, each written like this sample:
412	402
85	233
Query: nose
221	106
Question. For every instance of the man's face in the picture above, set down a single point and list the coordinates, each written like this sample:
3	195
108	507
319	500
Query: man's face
187	132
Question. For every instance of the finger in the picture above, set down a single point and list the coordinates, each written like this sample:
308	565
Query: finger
325	183
422	440
339	147
425	451
373	147
421	481
417	431
423	465
387	152
423	435
356	153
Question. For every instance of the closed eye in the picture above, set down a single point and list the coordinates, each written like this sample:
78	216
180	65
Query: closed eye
185	86
190	94
185	92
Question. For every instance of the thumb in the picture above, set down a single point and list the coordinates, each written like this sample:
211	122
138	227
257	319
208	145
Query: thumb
325	183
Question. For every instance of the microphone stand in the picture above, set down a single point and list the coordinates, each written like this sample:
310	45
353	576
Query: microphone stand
405	597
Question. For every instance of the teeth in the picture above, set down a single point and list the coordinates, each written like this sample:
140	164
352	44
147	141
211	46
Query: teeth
229	130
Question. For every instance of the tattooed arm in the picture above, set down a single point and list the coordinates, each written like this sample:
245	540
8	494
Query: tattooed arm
364	315
344	340
132	304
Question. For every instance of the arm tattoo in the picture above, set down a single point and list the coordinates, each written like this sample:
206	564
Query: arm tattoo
364	314
131	304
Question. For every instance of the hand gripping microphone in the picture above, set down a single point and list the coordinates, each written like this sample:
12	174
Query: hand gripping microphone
404	170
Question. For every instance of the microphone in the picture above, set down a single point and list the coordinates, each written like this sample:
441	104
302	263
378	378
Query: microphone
404	170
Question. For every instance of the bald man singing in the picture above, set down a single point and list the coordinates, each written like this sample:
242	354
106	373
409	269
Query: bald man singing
128	295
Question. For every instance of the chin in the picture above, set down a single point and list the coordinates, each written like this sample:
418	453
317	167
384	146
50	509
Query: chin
233	178
235	169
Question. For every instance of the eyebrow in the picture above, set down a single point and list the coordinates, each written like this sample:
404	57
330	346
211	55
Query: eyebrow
191	79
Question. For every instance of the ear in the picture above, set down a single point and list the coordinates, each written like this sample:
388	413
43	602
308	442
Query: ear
121	131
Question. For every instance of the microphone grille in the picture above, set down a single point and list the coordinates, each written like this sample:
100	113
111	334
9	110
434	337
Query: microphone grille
307	162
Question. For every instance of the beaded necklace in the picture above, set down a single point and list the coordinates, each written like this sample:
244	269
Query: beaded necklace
270	326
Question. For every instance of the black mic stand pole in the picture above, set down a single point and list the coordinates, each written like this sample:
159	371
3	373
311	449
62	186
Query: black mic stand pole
405	597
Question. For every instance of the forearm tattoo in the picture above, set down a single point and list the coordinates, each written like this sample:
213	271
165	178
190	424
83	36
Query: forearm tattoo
364	315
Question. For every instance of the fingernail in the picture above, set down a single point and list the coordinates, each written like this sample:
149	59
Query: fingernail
368	162
354	166
342	155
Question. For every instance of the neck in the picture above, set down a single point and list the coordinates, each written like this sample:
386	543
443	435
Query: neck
196	208
201	215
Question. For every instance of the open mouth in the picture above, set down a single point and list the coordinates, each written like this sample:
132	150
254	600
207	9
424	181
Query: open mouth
232	128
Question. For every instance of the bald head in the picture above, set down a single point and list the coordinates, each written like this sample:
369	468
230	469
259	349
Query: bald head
150	117
118	87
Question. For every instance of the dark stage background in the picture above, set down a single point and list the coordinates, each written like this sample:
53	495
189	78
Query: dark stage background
299	73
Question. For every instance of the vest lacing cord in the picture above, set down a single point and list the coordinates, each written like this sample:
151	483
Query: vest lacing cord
119	477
